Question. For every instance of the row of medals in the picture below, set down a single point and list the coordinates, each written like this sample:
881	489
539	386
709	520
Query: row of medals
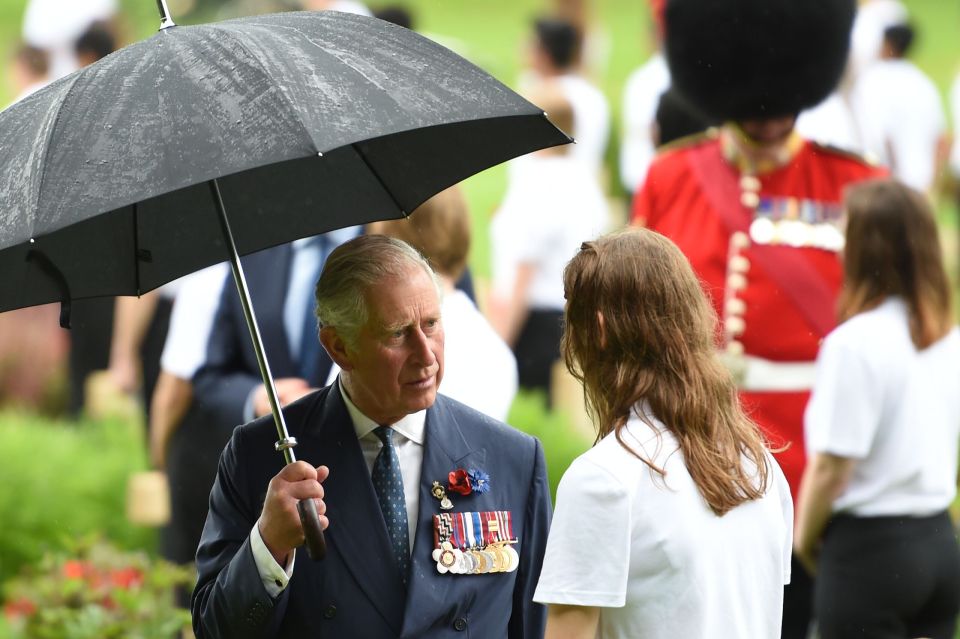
493	558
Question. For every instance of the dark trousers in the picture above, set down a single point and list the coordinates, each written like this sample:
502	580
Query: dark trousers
888	577
537	348
797	603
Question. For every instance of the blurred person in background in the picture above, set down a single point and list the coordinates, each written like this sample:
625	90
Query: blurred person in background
866	36
553	201
678	522
882	430
480	369
641	95
29	71
95	43
551	57
899	113
756	208
55	26
344	6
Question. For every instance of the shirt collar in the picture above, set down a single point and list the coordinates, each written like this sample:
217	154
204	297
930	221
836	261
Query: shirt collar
412	426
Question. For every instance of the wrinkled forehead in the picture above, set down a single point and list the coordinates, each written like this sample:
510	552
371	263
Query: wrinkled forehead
403	299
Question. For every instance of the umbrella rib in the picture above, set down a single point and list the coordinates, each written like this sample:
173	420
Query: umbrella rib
266	74
46	147
380	181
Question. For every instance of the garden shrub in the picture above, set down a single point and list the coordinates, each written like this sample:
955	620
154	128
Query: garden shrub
62	481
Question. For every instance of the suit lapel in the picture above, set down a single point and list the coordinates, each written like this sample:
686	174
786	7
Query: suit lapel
357	530
445	449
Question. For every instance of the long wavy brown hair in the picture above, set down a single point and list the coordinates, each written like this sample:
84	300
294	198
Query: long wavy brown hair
638	327
893	248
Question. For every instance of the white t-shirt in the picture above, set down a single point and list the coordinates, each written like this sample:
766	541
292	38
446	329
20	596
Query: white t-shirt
191	320
901	119
479	368
831	123
893	409
652	555
641	96
591	119
553	203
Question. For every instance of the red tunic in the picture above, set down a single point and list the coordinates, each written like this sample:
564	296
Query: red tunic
673	202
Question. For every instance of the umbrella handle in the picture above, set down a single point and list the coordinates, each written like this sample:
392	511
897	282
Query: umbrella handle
312	533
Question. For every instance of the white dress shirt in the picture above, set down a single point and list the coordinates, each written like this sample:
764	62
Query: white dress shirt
408	440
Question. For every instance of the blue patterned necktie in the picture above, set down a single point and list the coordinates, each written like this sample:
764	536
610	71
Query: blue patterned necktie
388	483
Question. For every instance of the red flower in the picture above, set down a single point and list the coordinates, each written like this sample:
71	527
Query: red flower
75	569
459	482
126	578
21	607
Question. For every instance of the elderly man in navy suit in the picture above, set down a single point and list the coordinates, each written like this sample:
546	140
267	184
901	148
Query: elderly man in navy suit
437	514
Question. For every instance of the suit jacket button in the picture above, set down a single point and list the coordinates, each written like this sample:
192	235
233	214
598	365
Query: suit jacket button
330	612
460	624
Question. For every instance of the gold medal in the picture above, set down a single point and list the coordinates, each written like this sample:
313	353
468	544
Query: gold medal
500	559
513	557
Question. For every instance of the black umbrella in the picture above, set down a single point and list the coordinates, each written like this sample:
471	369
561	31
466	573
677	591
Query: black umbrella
118	178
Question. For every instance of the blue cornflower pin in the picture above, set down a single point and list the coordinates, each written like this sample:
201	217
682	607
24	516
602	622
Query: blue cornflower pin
479	480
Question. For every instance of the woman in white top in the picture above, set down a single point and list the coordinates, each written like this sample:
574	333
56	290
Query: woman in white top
678	522
882	430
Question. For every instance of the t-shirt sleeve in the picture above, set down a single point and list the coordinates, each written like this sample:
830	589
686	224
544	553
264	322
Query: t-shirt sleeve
844	410
786	507
588	551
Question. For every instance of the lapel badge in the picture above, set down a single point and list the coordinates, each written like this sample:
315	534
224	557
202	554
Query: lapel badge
437	491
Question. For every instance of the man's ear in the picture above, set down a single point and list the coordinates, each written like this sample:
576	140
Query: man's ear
336	348
602	329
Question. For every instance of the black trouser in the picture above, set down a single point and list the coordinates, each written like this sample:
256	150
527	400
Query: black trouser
888	577
797	602
538	347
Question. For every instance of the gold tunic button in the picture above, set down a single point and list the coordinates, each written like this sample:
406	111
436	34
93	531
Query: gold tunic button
736	282
749	199
739	240
734	325
735	306
749	183
739	264
735	348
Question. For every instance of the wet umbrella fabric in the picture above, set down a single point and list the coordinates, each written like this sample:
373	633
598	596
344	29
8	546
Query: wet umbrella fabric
119	177
311	121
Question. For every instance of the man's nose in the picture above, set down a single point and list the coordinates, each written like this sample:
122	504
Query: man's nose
422	348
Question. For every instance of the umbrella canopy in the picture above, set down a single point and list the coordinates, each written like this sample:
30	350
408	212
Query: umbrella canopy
311	121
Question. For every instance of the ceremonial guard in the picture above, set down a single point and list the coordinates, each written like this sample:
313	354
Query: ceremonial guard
755	207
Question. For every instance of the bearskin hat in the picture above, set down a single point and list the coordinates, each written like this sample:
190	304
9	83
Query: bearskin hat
746	59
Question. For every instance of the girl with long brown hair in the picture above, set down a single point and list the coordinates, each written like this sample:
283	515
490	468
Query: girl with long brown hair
677	523
882	430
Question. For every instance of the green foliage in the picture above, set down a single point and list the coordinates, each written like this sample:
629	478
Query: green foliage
62	481
95	591
562	443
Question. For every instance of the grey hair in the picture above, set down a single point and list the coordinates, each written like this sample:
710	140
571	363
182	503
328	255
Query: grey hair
351	269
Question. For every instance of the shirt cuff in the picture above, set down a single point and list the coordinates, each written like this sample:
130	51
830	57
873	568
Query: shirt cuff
275	578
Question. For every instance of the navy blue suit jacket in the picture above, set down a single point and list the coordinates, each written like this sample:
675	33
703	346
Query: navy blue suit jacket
357	590
230	371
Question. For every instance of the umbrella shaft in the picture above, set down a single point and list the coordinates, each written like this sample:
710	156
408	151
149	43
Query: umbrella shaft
286	442
165	20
